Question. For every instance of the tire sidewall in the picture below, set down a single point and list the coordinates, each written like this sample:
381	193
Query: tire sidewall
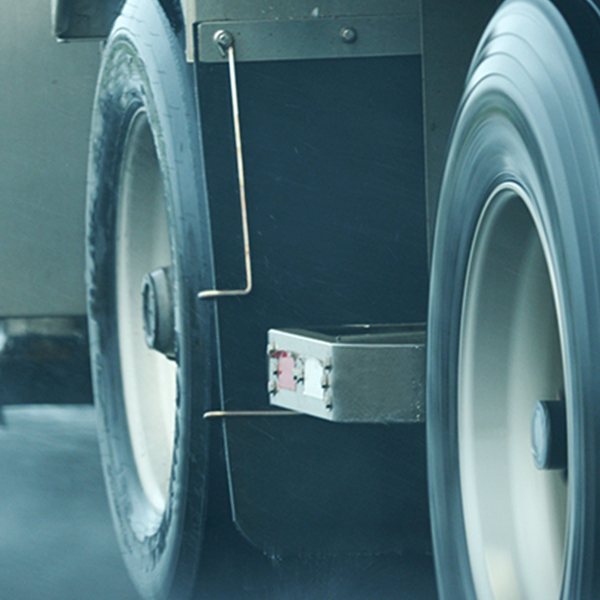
537	128
143	67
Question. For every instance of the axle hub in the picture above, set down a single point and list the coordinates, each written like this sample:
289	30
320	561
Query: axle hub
157	298
549	435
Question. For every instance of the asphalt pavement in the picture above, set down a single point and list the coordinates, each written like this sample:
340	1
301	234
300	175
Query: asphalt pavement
56	535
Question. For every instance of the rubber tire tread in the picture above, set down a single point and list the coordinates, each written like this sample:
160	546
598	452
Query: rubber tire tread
529	115
143	66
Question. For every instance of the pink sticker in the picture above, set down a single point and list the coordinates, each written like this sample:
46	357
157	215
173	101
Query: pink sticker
285	371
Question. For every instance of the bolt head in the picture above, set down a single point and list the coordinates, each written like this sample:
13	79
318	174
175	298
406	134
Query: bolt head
223	38
348	35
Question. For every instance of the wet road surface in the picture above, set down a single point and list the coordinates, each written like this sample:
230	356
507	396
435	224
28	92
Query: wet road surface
56	536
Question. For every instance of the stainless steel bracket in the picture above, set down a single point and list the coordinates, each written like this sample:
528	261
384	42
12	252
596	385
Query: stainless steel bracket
360	374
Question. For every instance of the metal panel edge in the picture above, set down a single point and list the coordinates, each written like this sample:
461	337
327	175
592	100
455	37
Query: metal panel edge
232	11
336	37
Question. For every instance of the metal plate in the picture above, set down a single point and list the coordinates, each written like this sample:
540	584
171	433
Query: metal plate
356	374
391	35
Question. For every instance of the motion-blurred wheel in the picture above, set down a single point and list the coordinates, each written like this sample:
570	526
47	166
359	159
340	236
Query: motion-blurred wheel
513	355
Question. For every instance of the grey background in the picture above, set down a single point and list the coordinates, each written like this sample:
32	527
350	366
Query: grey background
45	109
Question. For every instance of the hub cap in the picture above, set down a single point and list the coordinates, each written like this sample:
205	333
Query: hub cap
148	377
510	356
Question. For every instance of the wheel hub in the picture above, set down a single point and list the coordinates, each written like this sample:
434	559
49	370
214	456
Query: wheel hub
157	299
515	514
549	435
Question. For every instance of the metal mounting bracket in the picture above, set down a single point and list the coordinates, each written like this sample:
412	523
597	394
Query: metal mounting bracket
360	374
223	40
314	38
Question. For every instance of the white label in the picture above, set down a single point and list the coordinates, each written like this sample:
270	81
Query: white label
313	374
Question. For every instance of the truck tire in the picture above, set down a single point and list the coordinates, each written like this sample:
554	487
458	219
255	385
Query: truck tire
514	316
148	255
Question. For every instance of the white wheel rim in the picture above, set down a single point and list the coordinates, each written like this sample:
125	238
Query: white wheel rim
509	358
148	377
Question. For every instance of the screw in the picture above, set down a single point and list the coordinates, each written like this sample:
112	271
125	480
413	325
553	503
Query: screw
348	35
224	41
326	381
